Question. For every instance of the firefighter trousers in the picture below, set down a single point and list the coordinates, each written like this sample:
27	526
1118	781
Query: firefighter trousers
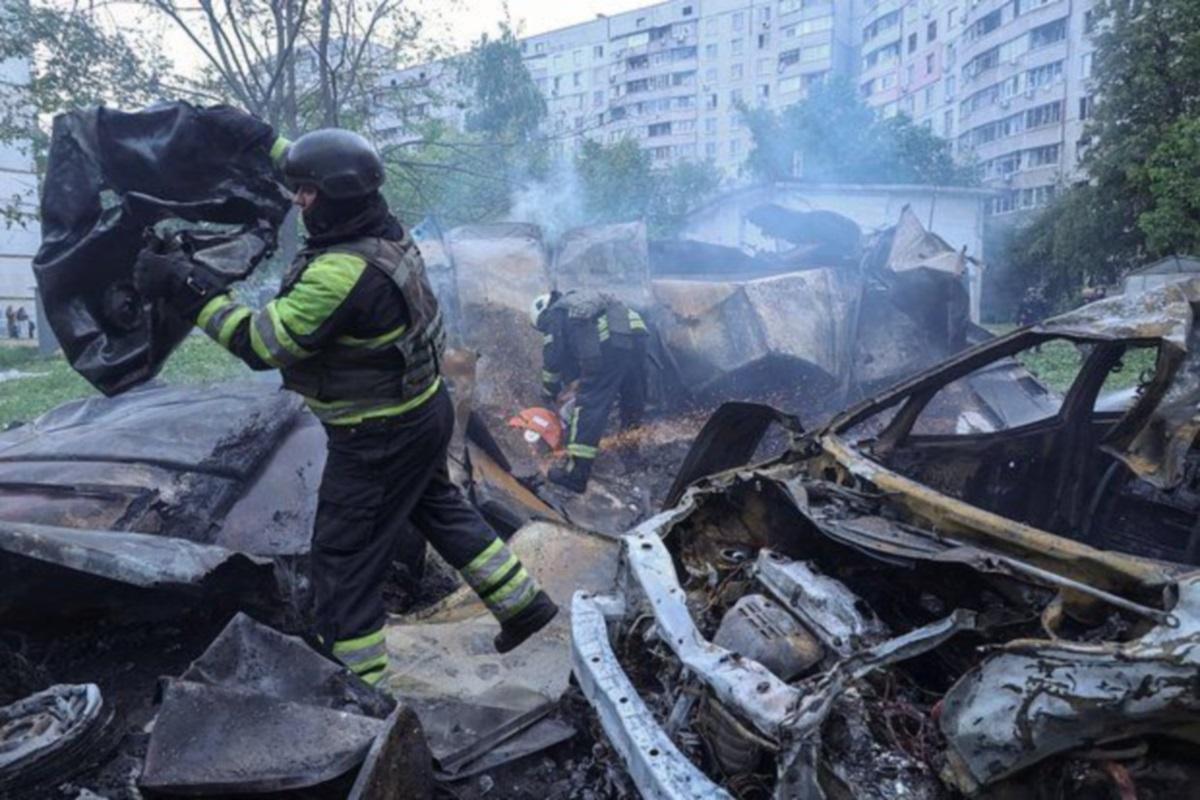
381	477
618	376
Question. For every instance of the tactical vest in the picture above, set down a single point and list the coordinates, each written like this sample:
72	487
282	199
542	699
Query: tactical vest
594	318
343	372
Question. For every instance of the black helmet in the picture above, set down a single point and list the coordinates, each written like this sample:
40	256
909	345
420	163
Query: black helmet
340	163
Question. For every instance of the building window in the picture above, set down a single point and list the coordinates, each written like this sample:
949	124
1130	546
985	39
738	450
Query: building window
763	40
598	51
764	14
912	43
929	64
712	101
788	6
710	126
790	85
928	96
597	98
948	124
1085	65
710	150
710	75
951	85
687	11
735	97
764	66
660	129
738	21
736	47
764	91
736	72
1089	21
577	79
931	31
641	22
710	51
1085	107
950	15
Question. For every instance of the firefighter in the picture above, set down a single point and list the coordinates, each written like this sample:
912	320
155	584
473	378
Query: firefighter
592	338
356	330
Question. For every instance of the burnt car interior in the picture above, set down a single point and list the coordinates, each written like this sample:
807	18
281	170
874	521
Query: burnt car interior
1048	468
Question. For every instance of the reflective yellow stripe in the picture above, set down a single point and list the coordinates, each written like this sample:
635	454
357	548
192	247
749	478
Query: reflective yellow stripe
352	412
212	307
377	664
279	148
478	561
509	587
372	343
548	338
636	322
281	333
361	642
259	347
230	325
582	451
493	580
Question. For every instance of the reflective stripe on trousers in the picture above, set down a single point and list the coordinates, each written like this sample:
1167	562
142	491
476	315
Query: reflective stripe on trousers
366	656
500	580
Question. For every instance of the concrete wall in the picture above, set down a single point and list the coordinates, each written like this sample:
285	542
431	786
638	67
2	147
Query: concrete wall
952	213
19	238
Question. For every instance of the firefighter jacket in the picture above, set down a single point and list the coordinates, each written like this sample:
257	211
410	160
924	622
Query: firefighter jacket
355	329
578	330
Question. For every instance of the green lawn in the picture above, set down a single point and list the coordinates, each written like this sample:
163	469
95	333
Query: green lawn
197	360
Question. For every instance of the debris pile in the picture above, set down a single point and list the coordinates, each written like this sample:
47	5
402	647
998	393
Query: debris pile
886	610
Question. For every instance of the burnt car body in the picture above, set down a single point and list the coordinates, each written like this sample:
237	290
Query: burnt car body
925	597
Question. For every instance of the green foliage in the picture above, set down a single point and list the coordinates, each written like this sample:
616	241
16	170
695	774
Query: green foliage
832	136
619	183
507	104
52	382
1141	200
1173	175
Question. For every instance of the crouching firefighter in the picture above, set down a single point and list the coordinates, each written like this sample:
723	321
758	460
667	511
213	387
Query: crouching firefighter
356	330
592	338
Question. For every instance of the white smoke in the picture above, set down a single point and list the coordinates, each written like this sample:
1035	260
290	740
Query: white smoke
555	204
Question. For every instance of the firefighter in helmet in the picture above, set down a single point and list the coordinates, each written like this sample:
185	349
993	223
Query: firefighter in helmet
356	331
602	343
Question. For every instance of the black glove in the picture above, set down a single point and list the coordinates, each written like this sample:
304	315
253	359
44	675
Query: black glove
168	273
242	131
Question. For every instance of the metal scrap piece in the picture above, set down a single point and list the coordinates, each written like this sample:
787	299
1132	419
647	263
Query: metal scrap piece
657	767
1035	699
830	610
49	736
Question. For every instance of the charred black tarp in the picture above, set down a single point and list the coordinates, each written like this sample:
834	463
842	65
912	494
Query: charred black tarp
113	175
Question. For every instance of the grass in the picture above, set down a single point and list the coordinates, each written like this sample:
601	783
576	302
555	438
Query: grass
197	360
1057	363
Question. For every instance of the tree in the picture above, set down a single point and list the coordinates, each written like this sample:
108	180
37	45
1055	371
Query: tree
1140	199
833	136
619	183
507	106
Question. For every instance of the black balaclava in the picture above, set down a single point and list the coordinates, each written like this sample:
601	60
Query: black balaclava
329	221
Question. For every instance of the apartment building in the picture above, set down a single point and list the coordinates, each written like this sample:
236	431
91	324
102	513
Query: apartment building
1008	81
20	234
673	75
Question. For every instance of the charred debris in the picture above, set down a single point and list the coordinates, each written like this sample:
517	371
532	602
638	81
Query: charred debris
898	565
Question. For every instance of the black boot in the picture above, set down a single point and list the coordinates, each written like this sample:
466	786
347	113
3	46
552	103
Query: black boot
574	476
526	623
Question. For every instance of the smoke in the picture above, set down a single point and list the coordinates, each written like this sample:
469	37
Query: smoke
555	204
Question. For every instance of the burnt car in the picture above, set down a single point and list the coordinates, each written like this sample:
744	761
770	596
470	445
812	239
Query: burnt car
935	594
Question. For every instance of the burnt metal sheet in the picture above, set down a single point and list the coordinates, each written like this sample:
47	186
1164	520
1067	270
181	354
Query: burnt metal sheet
111	176
614	259
51	735
260	712
656	765
827	607
1034	699
728	439
836	238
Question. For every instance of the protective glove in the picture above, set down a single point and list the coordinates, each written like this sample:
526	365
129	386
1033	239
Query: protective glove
166	273
241	130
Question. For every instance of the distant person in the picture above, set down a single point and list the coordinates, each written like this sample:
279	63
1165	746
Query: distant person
23	320
602	343
10	317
